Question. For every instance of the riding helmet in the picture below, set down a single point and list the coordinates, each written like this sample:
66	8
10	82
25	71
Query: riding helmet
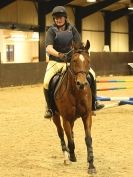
59	11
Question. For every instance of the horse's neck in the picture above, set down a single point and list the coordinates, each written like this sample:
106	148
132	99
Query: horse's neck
68	82
71	84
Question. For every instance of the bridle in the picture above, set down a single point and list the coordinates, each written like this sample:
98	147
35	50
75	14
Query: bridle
79	51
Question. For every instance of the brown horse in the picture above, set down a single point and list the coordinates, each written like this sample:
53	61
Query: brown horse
73	99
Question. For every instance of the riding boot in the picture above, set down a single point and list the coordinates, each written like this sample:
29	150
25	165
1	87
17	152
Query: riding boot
95	104
48	114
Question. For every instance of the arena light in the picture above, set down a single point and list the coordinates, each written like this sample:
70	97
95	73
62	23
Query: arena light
16	37
35	36
130	7
90	0
19	37
106	48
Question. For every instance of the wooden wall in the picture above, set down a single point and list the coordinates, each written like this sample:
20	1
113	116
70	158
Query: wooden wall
21	74
115	63
103	63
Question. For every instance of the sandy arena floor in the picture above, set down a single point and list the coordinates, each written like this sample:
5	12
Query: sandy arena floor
29	145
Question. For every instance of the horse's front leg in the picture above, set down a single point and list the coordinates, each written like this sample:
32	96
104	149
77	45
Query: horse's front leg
88	140
68	127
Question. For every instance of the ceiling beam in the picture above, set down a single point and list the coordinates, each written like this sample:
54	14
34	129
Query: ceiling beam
114	15
4	3
90	9
47	6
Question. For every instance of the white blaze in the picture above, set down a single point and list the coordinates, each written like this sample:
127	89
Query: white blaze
81	57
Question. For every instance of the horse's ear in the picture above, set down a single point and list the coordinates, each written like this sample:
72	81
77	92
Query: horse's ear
87	45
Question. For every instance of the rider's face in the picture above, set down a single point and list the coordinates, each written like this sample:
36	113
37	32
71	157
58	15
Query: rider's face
59	20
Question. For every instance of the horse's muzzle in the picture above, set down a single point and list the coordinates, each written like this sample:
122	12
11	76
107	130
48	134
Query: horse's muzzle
81	85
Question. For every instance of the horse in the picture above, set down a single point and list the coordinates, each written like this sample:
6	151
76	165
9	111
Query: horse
73	99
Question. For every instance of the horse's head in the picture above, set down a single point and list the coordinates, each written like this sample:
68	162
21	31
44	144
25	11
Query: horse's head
80	64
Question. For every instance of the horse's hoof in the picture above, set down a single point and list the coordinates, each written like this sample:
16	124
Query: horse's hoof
67	162
92	170
66	158
73	158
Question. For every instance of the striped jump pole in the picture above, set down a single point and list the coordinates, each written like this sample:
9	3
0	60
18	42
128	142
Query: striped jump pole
114	88
120	103
102	98
106	81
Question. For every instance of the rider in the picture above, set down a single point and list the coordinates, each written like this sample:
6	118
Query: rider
59	39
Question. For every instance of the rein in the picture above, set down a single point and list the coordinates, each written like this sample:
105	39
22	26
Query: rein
67	57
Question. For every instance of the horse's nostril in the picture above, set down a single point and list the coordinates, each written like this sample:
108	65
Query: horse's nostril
78	83
86	83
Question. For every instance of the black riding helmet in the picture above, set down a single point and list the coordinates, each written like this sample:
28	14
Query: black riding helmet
59	11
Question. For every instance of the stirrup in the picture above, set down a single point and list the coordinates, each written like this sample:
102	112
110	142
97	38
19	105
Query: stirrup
48	114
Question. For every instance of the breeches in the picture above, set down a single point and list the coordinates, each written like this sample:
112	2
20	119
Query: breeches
93	73
53	67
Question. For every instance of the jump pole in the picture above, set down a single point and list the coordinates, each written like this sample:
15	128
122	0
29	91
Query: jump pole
120	103
106	81
101	98
113	88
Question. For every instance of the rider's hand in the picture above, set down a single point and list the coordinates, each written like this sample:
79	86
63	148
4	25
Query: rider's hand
61	55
